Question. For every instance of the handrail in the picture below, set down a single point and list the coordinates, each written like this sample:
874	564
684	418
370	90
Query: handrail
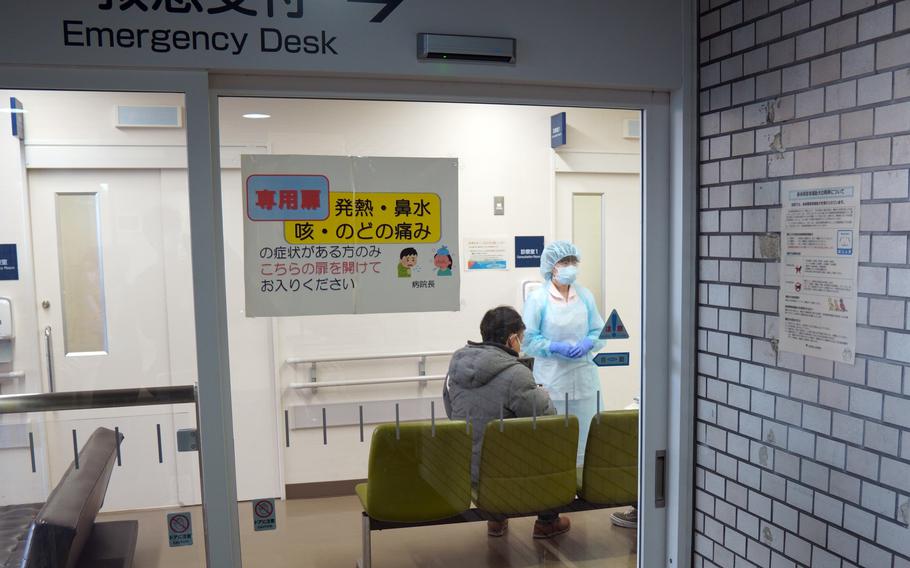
12	375
304	360
82	400
421	363
361	382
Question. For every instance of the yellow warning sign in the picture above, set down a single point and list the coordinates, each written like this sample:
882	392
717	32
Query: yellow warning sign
377	218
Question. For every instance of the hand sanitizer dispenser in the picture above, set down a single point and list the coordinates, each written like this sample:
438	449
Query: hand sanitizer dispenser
6	331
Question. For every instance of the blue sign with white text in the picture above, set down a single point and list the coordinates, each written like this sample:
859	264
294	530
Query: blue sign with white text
558	130
287	197
612	359
528	251
9	262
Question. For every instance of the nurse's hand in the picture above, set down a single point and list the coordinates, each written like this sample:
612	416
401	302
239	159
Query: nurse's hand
563	349
585	345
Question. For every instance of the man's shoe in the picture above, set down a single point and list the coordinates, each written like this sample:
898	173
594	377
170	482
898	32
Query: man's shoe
627	519
497	528
549	530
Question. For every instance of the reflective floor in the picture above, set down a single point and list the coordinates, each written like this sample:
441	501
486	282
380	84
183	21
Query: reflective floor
325	533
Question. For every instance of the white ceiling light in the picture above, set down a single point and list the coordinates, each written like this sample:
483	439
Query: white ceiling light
257	115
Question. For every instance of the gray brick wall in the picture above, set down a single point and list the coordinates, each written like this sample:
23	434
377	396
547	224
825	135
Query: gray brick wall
800	461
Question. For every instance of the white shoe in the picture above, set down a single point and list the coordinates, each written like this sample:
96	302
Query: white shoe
627	519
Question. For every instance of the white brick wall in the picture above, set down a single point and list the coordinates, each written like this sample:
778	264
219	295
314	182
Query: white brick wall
802	462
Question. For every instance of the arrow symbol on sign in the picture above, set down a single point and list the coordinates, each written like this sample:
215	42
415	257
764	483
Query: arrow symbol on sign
390	6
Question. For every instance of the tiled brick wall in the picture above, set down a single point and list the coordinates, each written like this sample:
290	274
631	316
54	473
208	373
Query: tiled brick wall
801	461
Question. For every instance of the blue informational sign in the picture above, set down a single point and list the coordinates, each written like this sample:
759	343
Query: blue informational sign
612	359
558	130
528	251
614	328
287	197
17	118
9	263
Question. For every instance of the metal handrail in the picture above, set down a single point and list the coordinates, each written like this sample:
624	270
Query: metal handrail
421	363
304	360
84	400
361	382
12	375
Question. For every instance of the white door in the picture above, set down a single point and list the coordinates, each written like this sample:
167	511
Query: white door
601	214
113	284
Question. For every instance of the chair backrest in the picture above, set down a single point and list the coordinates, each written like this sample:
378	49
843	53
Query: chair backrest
64	524
528	468
610	474
418	475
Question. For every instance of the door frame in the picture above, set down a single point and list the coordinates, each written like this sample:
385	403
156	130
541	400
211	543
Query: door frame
669	218
657	211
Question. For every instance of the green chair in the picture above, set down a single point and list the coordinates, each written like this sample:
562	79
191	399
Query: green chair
527	465
610	472
417	473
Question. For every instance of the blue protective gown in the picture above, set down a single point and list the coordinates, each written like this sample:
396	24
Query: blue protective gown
549	319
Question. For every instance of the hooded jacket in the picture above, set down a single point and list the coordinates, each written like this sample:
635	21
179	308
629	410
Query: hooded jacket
484	378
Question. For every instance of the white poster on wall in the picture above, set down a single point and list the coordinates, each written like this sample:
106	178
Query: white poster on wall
819	256
486	253
344	235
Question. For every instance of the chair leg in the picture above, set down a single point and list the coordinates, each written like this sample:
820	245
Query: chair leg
366	560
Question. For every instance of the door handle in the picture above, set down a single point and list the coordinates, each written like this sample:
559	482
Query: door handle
49	347
660	479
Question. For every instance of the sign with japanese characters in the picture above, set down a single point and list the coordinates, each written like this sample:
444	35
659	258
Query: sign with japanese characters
528	251
349	235
818	276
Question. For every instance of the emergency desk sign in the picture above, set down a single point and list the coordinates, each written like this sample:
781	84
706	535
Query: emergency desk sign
350	235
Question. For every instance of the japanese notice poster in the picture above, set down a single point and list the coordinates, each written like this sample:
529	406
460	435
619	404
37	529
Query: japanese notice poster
486	254
819	255
345	235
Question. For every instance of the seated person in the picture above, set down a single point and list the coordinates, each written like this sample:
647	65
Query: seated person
486	377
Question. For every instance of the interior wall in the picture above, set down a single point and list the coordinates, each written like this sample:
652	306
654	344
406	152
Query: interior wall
20	485
502	150
801	461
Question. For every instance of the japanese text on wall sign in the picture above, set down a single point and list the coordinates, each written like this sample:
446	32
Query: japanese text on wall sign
376	218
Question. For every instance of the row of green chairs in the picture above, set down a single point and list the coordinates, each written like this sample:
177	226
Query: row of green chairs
419	472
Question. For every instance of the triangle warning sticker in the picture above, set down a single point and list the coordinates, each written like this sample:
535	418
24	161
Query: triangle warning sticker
614	328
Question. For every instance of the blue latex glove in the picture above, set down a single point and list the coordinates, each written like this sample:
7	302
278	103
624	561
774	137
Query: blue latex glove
564	349
585	345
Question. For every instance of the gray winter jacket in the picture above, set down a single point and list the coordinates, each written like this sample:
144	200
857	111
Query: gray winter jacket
484	377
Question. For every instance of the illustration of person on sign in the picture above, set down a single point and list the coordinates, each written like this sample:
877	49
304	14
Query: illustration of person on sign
443	262
407	261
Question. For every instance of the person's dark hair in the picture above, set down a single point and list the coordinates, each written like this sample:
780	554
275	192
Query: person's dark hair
499	323
408	252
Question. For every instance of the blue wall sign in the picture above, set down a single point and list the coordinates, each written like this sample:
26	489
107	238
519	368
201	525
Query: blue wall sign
528	251
612	359
287	197
9	263
614	328
16	118
558	130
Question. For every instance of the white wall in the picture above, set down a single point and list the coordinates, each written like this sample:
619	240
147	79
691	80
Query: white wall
20	485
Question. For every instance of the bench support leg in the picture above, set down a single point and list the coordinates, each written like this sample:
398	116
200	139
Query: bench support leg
366	560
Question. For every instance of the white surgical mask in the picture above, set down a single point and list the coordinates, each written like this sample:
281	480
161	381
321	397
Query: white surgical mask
566	275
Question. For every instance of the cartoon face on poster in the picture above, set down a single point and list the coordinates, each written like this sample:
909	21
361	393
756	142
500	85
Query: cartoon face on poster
343	235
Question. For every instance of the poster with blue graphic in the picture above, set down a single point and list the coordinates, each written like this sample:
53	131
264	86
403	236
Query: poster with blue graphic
818	276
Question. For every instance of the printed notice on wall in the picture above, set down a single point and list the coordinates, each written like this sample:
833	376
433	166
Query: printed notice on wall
344	235
819	254
486	254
